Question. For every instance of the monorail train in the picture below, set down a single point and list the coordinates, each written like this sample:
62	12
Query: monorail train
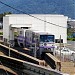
42	40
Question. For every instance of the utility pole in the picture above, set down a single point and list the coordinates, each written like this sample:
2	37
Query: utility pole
74	45
9	49
35	47
35	51
9	41
60	47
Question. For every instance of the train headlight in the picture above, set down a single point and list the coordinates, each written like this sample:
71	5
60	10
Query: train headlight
45	44
52	45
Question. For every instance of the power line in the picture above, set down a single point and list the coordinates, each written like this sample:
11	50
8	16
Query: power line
30	14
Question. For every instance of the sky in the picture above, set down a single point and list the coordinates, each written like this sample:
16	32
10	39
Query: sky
65	7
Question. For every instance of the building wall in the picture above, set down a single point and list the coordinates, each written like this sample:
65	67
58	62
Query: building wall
56	30
60	20
6	28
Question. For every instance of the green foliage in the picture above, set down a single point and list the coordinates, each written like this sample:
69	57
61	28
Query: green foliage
3	14
15	33
6	13
71	39
1	33
70	35
69	32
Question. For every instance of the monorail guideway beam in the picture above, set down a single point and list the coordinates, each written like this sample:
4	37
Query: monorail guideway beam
33	69
27	67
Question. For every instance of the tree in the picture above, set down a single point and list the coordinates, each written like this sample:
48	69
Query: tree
3	14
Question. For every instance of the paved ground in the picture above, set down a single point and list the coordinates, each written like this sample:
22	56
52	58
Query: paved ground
67	66
72	45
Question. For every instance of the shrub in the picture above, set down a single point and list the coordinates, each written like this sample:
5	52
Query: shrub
1	33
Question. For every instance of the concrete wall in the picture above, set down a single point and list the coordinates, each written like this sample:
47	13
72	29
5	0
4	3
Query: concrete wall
6	28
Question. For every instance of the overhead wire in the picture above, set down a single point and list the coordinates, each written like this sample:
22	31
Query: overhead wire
30	14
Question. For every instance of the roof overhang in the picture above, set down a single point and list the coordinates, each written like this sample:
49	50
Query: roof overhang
20	25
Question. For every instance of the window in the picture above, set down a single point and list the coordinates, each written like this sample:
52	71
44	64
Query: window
47	38
20	32
58	40
65	50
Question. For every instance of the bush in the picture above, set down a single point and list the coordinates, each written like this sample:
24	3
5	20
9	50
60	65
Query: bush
71	39
1	33
15	33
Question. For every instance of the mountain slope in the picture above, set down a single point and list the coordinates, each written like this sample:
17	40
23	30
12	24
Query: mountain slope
66	7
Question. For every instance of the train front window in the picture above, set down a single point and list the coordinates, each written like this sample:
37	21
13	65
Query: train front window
46	38
50	38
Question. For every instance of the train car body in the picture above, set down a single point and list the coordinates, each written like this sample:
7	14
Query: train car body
21	37
42	41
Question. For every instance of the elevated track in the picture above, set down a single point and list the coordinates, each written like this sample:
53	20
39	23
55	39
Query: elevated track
6	71
27	67
29	64
19	55
53	62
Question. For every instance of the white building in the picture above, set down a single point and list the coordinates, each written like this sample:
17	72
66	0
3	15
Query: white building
41	22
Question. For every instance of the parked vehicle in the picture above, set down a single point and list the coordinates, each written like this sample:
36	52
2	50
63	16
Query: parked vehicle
65	51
